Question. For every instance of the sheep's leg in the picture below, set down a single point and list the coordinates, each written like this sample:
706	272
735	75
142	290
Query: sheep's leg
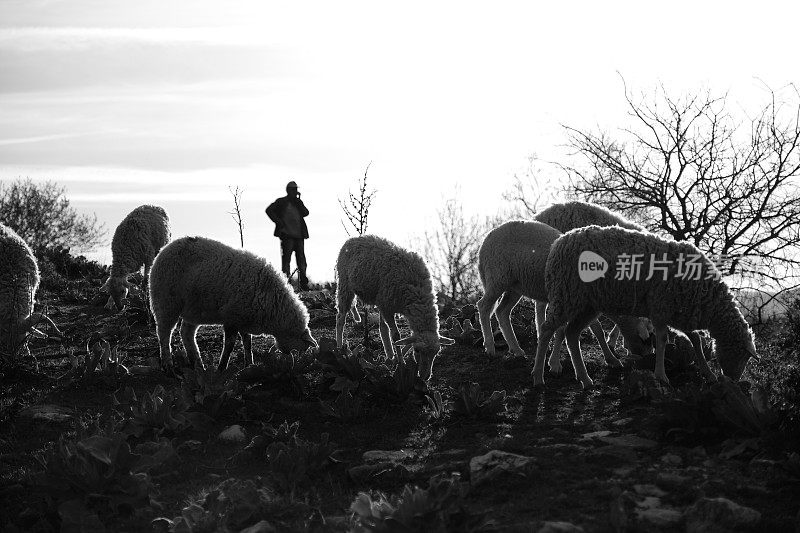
573	333
386	336
231	334
699	356
552	322
485	307
548	329
146	295
395	332
164	333
540	311
188	332
613	336
503	313
247	343
344	301
661	341
608	353
555	355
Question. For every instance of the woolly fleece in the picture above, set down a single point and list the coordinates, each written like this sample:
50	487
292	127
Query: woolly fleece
19	279
685	304
137	240
568	216
204	281
396	280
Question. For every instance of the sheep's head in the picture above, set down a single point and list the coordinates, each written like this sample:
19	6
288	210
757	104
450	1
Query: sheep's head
14	336
293	341
117	287
733	358
426	347
642	341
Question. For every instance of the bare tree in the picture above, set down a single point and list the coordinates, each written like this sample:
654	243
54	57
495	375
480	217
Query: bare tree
451	250
533	190
236	214
40	213
356	209
687	168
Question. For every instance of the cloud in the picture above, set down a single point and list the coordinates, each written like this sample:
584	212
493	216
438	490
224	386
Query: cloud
32	39
143	63
40	138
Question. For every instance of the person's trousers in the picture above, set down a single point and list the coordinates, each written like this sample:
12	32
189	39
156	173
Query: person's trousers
289	245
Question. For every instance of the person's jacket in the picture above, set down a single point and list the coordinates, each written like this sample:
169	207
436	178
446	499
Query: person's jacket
276	209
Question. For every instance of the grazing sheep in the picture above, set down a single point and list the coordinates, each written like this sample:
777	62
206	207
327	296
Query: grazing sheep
568	216
203	281
681	300
683	344
571	215
690	343
511	264
396	280
136	242
19	279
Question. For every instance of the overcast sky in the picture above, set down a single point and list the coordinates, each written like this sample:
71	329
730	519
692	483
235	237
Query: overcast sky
162	102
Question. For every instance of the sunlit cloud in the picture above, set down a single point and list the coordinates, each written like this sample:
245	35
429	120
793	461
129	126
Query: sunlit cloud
76	38
41	138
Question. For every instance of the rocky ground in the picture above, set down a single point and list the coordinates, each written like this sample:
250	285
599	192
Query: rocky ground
345	441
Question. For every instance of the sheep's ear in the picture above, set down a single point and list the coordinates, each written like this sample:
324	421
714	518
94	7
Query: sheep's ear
127	283
411	339
446	341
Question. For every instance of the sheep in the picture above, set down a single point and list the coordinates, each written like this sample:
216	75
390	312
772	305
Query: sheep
681	300
511	264
396	280
571	215
568	216
19	279
203	281
137	240
683	343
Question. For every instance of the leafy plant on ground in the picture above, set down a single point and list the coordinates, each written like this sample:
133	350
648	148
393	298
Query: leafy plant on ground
294	461
721	408
159	412
97	478
291	459
102	361
462	331
437	407
440	507
400	383
472	402
342	365
779	370
321	307
211	393
235	505
281	369
643	385
344	407
257	447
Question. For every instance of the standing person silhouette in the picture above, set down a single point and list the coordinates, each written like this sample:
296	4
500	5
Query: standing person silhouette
288	213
